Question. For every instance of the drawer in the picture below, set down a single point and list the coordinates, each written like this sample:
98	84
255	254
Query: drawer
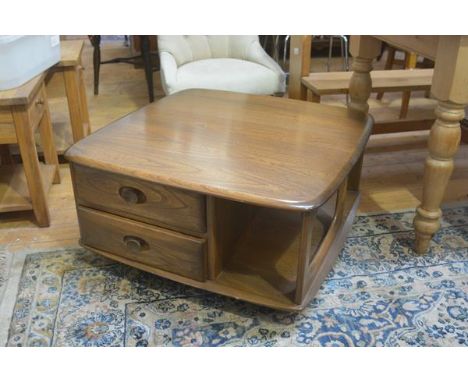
156	247
139	200
37	107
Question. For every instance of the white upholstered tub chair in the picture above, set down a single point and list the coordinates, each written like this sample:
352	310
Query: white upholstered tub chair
232	63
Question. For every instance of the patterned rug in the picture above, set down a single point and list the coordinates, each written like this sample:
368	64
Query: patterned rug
378	294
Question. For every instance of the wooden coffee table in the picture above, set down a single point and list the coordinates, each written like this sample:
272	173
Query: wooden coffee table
247	196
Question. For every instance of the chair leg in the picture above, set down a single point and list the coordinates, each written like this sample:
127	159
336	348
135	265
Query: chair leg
145	54
330	48
388	65
410	63
346	53
286	39
342	52
96	43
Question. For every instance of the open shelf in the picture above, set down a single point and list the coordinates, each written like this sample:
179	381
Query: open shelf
14	193
264	259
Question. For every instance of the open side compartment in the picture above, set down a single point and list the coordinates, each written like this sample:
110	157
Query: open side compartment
258	250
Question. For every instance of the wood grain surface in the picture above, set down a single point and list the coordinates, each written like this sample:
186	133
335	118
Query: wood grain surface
263	150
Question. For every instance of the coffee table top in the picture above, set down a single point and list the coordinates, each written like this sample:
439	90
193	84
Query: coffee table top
269	151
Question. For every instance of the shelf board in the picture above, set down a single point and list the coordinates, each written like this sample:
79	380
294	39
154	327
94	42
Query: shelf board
265	260
14	193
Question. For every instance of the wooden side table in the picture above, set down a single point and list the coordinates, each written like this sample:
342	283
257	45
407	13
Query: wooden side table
22	111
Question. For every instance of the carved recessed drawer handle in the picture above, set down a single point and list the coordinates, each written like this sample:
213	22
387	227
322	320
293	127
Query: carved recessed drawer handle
40	102
135	244
132	195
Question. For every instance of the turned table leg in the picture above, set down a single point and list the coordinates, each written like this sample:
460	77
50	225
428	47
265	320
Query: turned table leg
443	144
450	88
360	85
363	49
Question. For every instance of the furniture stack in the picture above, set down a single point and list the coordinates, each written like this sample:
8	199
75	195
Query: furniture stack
23	110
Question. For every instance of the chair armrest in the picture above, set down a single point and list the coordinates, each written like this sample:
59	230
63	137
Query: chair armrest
257	54
168	72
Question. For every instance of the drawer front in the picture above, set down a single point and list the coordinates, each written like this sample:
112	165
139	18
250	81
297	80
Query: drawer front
140	242
140	200
37	107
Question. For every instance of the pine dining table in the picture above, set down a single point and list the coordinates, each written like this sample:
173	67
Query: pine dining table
449	88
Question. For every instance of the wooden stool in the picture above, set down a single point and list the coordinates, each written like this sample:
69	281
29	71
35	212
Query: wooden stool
25	187
329	83
70	66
